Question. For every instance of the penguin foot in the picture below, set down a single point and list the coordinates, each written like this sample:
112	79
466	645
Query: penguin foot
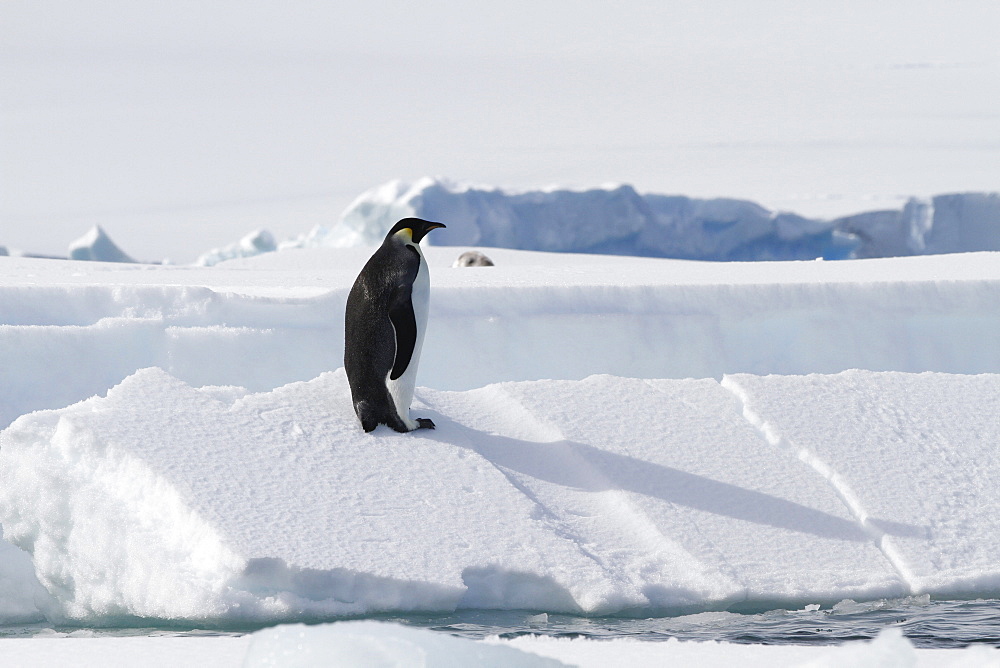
425	423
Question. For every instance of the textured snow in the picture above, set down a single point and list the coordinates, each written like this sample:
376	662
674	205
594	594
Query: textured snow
167	501
70	330
875	437
618	220
609	439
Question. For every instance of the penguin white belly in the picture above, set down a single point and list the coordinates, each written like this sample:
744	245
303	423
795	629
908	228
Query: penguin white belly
401	389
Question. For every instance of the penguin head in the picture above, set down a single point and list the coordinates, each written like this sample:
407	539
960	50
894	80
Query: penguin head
412	229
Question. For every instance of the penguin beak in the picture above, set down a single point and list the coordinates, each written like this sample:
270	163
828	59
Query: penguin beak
434	226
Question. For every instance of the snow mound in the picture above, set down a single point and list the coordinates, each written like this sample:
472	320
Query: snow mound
618	220
890	649
70	330
254	243
166	501
376	644
97	246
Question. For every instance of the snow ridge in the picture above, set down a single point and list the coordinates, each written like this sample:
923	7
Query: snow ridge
881	539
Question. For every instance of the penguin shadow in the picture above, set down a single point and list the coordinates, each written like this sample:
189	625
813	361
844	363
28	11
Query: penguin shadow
588	468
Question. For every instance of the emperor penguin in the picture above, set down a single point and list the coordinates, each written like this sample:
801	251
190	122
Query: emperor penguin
384	329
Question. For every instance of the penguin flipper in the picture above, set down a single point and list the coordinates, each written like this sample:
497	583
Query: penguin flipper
405	325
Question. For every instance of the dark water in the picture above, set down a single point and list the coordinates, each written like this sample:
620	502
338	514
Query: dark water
927	623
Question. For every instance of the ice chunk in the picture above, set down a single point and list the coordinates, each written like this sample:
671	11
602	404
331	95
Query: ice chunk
890	649
376	644
97	246
254	243
22	598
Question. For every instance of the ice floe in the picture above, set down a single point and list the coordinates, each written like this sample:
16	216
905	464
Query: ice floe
606	495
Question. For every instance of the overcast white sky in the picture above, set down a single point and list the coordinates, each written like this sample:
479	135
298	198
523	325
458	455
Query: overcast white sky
180	126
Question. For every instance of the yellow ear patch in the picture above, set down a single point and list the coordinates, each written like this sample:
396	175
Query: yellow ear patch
406	234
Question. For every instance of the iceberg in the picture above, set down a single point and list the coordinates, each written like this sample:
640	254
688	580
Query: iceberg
616	219
366	643
254	243
613	219
97	246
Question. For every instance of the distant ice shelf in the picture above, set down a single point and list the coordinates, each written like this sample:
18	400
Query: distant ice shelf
618	220
96	245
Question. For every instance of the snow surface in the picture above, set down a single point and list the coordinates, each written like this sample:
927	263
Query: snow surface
69	330
618	220
189	421
167	501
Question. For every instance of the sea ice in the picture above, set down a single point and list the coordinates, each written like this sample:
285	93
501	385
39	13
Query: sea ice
70	330
97	246
374	645
169	501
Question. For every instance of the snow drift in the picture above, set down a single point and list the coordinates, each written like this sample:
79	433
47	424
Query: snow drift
70	330
366	643
618	220
186	450
167	501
